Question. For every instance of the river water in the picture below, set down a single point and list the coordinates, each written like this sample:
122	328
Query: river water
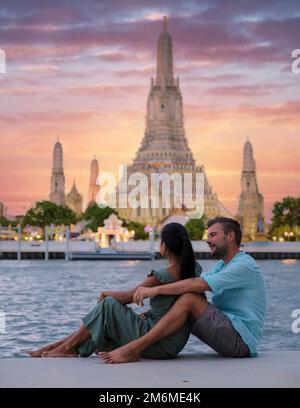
43	301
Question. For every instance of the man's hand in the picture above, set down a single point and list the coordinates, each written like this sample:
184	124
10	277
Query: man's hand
141	293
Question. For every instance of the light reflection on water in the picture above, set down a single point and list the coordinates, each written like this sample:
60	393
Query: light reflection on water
289	262
44	301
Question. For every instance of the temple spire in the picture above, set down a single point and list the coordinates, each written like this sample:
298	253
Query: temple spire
248	162
165	24
164	75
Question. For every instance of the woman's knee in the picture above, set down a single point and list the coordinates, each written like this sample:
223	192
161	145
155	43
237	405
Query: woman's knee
109	302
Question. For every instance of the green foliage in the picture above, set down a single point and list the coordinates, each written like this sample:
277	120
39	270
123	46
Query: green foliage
46	213
138	228
96	215
196	228
4	222
286	216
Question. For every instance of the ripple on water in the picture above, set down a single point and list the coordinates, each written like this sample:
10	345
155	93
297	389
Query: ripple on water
45	301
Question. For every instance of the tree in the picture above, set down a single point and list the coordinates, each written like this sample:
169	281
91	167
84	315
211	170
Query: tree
46	213
138	228
4	222
195	228
286	213
96	215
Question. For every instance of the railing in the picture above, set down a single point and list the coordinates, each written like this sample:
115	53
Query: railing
41	249
17	238
17	245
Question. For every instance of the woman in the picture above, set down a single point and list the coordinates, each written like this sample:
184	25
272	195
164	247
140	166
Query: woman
111	324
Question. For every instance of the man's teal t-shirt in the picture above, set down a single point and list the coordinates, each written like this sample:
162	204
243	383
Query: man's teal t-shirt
239	291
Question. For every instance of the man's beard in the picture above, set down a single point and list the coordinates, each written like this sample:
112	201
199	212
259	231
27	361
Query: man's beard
220	252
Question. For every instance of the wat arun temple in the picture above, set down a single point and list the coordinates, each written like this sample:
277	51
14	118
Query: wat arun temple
164	149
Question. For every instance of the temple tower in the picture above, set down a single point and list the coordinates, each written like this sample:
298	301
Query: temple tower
251	204
57	188
93	186
164	148
74	200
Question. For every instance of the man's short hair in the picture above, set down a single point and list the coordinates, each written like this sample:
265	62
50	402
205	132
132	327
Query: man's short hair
228	224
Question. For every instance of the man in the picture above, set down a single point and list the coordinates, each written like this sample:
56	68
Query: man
232	323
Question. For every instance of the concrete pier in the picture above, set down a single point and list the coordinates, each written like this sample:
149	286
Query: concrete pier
201	370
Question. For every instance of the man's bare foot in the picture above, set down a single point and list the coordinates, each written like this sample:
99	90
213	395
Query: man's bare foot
124	354
63	350
39	352
60	353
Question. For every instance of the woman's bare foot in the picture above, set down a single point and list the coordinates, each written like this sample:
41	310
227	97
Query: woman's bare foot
34	353
124	354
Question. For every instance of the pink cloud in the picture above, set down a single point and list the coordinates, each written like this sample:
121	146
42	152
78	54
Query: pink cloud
136	73
27	54
24	91
217	78
245	90
287	112
113	91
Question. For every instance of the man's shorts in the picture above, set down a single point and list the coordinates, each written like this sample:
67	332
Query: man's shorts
215	329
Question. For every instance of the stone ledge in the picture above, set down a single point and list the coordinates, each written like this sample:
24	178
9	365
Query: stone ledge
201	370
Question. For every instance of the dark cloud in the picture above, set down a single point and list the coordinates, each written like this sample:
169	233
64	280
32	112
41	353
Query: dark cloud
281	32
221	31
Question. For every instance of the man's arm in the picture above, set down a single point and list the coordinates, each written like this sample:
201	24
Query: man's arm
197	285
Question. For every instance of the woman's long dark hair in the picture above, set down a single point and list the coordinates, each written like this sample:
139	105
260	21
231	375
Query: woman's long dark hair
176	239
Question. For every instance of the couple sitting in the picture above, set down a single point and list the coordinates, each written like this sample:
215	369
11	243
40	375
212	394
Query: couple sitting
231	324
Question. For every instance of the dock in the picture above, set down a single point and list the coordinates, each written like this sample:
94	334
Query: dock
110	256
276	369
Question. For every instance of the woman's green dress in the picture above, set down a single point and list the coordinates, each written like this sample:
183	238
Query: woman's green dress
112	324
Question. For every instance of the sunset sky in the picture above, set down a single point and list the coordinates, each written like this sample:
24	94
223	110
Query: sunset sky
80	71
